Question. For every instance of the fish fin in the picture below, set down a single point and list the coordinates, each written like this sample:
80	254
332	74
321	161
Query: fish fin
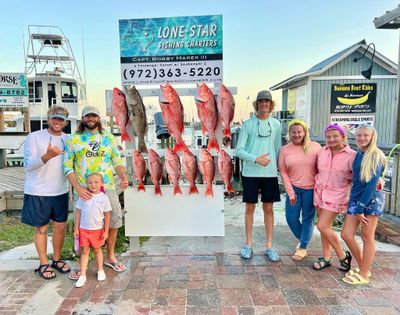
157	190
177	190
141	187
125	137
193	190
213	144
129	131
180	146
209	191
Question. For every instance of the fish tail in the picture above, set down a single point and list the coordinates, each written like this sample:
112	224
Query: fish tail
141	187
209	191
125	137
193	189
229	188
180	146
213	144
157	190
227	133
177	190
142	145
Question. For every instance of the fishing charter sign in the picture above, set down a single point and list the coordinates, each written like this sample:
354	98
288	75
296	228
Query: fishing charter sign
355	98
172	49
13	90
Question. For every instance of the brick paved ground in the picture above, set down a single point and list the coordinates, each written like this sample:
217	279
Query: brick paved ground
207	284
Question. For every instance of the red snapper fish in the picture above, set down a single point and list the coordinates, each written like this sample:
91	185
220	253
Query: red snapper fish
121	114
226	110
139	168
225	168
155	169
173	167
207	169
190	170
208	114
172	112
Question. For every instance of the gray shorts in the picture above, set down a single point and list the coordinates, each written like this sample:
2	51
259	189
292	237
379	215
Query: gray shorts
116	211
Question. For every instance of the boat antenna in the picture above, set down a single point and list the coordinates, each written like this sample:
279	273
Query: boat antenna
84	61
23	33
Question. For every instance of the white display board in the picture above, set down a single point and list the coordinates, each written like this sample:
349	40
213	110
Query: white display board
179	215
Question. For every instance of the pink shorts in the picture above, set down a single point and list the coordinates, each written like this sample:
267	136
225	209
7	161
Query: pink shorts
93	238
339	208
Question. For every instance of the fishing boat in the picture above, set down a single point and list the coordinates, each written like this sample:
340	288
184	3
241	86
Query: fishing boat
53	77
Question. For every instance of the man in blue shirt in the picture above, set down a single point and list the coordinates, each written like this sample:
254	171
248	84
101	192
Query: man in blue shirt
258	146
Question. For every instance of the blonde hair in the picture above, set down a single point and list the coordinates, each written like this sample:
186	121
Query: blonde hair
306	140
54	110
255	105
373	156
95	174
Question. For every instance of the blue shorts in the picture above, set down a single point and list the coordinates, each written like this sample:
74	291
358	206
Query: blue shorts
374	207
39	210
267	186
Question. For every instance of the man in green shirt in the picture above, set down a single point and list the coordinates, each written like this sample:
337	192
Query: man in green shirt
258	146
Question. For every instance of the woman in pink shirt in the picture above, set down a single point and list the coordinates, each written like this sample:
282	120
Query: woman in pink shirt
331	193
298	167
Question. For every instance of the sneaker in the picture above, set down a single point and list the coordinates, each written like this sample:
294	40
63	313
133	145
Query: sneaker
81	281
246	252
101	275
271	255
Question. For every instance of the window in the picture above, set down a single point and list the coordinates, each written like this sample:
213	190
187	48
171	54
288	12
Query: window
35	91
69	92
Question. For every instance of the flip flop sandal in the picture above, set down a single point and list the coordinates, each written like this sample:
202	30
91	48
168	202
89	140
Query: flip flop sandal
322	263
300	254
345	263
355	270
114	265
74	275
355	279
43	269
55	265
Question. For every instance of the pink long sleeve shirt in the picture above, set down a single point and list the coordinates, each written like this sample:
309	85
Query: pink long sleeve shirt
335	174
298	168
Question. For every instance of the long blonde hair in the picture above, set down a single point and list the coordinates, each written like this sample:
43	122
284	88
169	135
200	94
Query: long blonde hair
373	156
306	140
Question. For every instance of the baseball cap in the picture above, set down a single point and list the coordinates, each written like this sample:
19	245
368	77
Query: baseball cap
57	112
264	95
90	110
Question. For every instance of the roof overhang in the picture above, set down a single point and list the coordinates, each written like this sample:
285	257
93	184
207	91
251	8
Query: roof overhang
390	20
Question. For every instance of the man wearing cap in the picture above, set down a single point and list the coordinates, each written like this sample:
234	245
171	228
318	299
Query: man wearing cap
46	190
94	150
258	146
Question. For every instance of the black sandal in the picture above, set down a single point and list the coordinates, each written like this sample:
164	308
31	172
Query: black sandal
43	269
322	263
345	263
61	269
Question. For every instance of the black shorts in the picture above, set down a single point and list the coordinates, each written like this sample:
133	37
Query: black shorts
39	210
268	186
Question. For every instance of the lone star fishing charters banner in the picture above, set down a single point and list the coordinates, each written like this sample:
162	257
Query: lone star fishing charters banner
172	49
355	98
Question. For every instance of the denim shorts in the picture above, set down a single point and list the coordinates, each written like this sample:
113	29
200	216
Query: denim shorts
374	207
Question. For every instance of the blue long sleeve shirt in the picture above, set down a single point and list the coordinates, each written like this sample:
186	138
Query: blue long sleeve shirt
361	192
258	137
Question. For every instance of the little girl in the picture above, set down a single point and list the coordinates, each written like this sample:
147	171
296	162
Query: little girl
92	222
331	193
365	205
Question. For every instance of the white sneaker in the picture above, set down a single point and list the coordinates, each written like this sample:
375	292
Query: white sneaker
101	275
80	282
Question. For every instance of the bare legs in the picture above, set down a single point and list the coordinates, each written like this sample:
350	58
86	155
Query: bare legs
268	222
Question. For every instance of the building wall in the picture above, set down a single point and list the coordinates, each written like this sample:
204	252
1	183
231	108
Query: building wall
385	106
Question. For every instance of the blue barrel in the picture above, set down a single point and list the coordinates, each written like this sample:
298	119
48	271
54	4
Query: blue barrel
161	128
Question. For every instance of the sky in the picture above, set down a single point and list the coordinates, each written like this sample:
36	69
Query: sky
264	41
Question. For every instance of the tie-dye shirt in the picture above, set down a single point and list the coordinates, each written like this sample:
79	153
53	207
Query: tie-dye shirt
88	153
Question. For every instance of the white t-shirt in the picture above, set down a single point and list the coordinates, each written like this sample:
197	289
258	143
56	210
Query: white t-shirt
44	179
92	211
